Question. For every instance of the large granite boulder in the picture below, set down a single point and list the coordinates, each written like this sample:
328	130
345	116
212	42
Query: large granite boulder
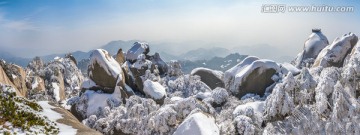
211	78
104	70
198	124
335	54
316	42
251	78
137	49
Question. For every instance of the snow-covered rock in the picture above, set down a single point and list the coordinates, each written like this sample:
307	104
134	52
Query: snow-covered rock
161	64
316	42
155	90
137	49
212	78
104	70
251	76
287	67
256	106
186	85
335	54
94	103
198	124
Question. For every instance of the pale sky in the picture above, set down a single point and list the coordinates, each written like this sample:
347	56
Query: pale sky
41	27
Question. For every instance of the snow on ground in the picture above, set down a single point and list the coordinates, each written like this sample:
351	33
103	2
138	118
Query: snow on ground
198	124
54	116
104	59
154	89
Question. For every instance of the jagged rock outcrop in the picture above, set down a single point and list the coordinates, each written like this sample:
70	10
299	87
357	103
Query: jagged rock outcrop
137	49
17	76
5	80
36	65
120	58
161	64
104	70
251	76
316	42
71	57
211	78
335	54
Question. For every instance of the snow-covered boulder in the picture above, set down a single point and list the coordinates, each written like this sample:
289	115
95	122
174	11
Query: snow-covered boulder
251	76
155	90
161	64
212	78
256	106
137	49
287	67
120	58
229	75
316	42
104	70
198	124
335	54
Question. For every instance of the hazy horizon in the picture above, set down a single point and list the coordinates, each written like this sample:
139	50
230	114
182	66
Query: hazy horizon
37	28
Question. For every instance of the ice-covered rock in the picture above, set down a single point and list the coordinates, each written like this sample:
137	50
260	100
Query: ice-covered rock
316	42
251	76
137	49
155	90
212	78
104	70
198	124
335	54
287	67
